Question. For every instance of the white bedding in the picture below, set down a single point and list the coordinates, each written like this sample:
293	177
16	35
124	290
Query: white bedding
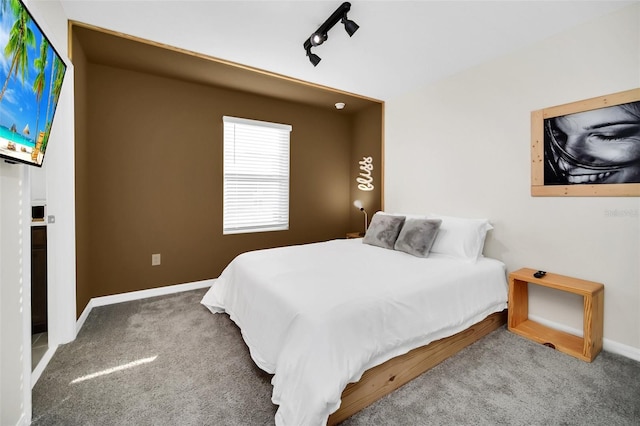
318	315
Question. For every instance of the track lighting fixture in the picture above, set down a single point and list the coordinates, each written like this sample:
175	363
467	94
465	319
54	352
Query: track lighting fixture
320	35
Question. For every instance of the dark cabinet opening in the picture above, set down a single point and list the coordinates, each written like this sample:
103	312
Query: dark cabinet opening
38	279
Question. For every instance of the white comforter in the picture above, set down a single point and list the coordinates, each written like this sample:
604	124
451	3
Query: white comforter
318	315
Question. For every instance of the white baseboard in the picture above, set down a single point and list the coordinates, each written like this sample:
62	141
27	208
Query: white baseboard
607	345
136	295
44	361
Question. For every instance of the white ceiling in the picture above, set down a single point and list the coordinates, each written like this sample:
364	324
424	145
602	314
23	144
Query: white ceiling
400	44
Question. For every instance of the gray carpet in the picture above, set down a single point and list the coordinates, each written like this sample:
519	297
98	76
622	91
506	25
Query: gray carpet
203	375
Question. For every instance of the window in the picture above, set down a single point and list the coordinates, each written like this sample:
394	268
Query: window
256	176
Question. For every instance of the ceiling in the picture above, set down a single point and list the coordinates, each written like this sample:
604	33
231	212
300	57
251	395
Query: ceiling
400	45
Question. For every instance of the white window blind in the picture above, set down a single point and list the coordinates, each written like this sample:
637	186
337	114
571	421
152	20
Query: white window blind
256	176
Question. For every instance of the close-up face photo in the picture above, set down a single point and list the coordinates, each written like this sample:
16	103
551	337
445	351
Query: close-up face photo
594	147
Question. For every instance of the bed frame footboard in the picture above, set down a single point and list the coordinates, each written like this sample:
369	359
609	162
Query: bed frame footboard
389	376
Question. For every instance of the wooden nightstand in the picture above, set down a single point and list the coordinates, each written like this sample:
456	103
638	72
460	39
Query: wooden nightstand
354	235
585	348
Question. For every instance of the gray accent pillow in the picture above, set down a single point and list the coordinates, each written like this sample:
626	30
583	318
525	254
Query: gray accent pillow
417	236
383	230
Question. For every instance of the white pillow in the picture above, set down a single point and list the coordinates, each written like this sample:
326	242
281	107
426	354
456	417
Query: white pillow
460	237
411	215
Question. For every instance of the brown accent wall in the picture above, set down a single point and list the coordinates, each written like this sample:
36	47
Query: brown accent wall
149	176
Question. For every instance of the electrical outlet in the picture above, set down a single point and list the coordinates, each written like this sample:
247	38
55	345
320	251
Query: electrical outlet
155	259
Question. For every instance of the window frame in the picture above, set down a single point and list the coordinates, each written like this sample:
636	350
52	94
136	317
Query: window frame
267	183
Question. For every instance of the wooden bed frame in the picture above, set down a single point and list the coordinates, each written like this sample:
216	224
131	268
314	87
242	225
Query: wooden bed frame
389	376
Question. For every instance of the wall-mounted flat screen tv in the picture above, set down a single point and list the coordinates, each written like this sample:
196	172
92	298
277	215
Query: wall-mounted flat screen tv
31	74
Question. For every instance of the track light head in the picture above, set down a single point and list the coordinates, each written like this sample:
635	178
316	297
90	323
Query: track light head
350	26
315	59
317	39
320	35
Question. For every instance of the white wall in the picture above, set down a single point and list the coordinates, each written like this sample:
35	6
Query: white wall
60	187
462	147
15	309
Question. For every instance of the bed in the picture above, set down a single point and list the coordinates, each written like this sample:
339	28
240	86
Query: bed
326	317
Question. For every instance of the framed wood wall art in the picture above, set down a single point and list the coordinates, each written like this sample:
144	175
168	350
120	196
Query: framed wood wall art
589	148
